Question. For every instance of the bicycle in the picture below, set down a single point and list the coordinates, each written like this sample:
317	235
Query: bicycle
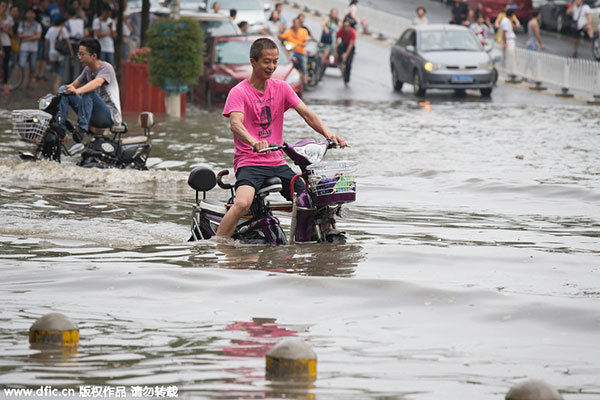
16	74
15	77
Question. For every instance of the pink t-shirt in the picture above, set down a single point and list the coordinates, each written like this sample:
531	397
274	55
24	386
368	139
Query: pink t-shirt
263	119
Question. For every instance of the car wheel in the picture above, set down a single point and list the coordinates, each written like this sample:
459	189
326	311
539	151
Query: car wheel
208	97
418	89
596	46
396	83
486	92
559	23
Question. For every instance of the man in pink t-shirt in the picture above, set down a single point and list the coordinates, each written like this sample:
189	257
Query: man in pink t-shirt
255	108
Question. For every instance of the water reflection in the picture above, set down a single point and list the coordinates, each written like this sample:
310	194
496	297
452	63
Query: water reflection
318	259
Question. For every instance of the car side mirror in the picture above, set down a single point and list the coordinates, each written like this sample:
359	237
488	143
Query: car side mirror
410	48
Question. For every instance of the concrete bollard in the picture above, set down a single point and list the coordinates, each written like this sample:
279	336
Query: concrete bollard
291	359
54	330
533	389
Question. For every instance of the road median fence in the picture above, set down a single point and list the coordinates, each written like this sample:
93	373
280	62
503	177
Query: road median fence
542	69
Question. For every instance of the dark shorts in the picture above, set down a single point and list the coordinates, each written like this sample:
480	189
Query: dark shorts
255	175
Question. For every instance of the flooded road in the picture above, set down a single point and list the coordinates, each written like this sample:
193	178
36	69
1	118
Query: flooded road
472	265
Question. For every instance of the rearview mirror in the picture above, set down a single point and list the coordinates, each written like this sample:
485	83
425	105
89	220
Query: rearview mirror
410	48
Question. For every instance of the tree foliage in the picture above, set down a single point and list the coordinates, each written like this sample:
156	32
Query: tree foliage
175	52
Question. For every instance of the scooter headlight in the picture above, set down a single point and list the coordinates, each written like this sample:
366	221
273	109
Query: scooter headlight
313	152
45	101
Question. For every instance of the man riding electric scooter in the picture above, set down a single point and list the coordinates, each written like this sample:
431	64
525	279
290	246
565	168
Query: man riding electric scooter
255	108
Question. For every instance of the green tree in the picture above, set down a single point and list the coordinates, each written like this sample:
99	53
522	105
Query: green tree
175	52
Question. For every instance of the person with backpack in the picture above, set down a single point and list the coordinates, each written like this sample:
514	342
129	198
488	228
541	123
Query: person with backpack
57	59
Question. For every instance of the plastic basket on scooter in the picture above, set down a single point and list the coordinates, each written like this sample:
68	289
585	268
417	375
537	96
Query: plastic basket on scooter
30	125
332	181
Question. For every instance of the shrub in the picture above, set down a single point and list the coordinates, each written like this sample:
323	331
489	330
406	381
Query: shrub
176	52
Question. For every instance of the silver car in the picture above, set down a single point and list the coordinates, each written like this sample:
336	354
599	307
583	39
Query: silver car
441	57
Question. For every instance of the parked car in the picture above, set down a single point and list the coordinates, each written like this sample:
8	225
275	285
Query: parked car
491	8
441	57
251	11
228	63
553	14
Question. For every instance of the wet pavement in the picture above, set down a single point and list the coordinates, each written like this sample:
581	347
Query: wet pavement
472	262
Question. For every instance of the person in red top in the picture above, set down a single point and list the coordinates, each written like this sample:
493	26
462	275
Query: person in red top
345	41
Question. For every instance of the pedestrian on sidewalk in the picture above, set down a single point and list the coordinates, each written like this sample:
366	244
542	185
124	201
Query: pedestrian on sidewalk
345	45
104	31
75	27
534	40
57	60
30	32
508	40
42	16
514	20
420	19
582	19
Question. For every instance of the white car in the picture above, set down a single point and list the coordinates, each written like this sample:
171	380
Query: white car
252	11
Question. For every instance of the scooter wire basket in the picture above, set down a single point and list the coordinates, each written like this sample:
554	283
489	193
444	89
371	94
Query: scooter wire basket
333	181
30	125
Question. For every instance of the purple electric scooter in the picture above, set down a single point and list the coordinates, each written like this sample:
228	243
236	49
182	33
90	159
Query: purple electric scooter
329	186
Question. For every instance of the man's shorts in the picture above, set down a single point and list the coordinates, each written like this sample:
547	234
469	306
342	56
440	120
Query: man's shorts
255	175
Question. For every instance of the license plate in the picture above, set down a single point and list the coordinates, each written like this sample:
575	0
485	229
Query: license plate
462	79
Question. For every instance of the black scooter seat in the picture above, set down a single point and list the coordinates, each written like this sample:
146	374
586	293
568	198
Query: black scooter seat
270	185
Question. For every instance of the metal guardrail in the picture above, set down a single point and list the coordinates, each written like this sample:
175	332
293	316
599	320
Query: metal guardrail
543	68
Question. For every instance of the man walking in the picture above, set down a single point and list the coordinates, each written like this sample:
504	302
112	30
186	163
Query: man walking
345	40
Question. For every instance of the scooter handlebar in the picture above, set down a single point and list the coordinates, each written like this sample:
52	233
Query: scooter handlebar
272	147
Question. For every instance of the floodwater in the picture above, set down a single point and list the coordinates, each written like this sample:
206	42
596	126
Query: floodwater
473	262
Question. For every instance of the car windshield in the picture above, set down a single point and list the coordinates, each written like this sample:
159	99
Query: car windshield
237	52
444	40
236	4
218	28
